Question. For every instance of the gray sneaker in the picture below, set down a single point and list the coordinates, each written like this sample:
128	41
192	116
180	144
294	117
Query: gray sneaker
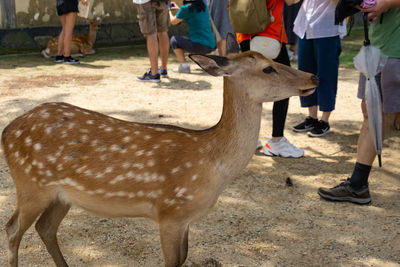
182	69
344	192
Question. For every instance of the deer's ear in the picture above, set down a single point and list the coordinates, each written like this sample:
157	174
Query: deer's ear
232	47
214	65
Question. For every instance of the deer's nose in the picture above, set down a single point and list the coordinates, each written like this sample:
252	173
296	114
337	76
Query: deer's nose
315	79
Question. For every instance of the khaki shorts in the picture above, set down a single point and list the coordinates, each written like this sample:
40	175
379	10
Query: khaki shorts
153	17
389	84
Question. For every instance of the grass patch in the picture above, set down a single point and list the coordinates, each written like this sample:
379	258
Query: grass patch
351	45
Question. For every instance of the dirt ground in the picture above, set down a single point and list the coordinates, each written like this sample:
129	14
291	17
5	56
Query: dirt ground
258	220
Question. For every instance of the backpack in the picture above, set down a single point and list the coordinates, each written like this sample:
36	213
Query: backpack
250	16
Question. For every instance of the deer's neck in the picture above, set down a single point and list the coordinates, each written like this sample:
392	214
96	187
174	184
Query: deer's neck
92	35
236	134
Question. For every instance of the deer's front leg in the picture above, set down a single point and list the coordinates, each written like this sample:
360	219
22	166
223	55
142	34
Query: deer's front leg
174	242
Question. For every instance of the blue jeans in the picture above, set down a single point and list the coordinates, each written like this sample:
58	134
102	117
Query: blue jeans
321	57
186	44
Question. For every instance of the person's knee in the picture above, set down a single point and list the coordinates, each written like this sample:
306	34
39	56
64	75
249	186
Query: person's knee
364	110
174	42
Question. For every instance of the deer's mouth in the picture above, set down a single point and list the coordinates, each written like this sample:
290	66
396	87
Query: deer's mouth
306	92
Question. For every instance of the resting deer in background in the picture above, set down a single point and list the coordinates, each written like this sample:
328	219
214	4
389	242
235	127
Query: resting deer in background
61	155
81	44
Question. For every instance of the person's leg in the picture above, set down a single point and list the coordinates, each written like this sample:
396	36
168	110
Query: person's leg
221	45
307	62
69	28
163	40
163	22
60	48
152	50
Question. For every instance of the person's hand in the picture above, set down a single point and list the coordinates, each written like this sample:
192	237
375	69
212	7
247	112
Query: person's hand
84	2
380	7
173	6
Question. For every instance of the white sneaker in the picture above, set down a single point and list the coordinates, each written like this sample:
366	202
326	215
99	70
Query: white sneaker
282	148
182	69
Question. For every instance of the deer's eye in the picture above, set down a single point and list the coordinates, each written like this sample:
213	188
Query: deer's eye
269	69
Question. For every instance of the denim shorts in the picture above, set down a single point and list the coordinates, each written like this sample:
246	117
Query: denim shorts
388	81
320	56
66	6
186	44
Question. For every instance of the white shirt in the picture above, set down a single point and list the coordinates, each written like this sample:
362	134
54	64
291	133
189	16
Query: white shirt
316	19
140	1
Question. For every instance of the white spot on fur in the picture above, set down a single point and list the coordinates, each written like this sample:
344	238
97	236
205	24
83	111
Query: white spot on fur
150	163
89	122
194	177
28	141
140	193
139	153
175	170
127	139
188	164
149	153
108	129
28	169
126	165
138	165
69	114
18	133
51	158
117	179
147	137
10	146
136	132
37	146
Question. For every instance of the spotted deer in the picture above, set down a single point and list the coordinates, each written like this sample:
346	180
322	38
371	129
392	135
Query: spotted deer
61	155
81	44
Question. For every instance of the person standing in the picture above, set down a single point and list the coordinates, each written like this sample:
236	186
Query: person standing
153	17
278	145
319	48
384	34
67	11
220	15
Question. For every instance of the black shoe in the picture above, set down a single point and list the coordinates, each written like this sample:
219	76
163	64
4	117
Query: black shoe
344	192
306	125
163	73
321	128
71	61
59	59
149	77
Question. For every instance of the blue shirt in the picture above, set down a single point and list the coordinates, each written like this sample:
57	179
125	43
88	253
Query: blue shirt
199	25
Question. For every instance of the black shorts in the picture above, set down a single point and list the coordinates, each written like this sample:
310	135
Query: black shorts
66	6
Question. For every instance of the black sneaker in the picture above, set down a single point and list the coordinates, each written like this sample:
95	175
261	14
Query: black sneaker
149	77
71	61
344	192
59	59
306	125
163	73
321	128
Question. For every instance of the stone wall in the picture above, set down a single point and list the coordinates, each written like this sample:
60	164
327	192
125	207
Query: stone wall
36	22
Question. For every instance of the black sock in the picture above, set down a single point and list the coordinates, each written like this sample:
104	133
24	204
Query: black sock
359	178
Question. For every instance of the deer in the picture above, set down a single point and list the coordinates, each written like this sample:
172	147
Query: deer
61	155
81	45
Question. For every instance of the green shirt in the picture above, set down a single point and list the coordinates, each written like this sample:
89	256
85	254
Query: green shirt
386	36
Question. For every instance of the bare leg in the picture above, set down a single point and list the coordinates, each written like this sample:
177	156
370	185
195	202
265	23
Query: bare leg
152	50
47	227
68	30
174	242
61	37
221	45
163	40
325	116
313	112
365	147
180	54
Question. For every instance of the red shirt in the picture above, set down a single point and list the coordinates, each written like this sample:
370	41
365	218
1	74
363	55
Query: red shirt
274	29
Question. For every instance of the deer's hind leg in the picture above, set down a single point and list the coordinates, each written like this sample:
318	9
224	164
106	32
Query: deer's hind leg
47	227
28	209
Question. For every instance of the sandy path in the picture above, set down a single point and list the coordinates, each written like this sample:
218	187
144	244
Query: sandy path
258	220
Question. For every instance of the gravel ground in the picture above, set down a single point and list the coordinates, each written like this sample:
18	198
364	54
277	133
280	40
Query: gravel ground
258	219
